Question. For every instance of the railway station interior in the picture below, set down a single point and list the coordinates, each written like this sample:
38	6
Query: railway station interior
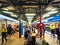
29	22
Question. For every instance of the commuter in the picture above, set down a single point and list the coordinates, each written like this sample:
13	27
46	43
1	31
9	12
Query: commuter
58	33
33	42
38	27
4	33
9	30
52	29
42	29
56	26
26	29
17	28
29	39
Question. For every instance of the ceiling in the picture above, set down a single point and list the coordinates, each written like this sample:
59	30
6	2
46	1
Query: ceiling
29	9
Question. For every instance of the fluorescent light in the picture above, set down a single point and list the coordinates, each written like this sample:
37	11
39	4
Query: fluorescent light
10	8
10	13
29	17
54	9
5	9
14	15
30	14
45	16
0	4
49	8
52	12
29	20
7	12
49	13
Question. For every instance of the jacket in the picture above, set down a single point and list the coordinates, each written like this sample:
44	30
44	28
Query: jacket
3	30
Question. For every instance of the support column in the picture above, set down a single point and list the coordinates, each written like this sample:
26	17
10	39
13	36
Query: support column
41	11
20	26
6	22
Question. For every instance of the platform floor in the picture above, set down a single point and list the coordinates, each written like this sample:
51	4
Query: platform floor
15	40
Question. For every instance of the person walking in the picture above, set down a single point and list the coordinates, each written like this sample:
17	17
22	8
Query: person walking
9	30
58	33
52	29
42	29
4	33
26	30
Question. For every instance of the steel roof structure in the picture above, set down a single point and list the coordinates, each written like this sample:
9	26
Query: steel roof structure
22	7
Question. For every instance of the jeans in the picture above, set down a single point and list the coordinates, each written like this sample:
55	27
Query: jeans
4	37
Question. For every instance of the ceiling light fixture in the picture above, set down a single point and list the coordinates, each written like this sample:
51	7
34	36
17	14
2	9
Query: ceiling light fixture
45	16
30	14
14	15
7	12
49	13
30	17
49	8
5	9
0	4
52	12
10	8
54	9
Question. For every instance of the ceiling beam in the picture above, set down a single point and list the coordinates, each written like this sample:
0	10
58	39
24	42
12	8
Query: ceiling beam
30	4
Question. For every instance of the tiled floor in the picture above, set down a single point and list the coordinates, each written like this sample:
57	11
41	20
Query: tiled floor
51	40
15	40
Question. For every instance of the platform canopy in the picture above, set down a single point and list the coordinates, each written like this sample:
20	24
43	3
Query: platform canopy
42	8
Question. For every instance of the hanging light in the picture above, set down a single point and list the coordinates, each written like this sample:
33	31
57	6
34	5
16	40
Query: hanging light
30	14
14	15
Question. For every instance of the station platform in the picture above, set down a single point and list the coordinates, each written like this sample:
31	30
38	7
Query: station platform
15	40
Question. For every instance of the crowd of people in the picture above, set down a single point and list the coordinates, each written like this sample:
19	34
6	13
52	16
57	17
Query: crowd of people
55	29
7	31
34	40
38	39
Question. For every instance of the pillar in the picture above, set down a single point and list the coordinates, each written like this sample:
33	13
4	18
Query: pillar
6	22
20	26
